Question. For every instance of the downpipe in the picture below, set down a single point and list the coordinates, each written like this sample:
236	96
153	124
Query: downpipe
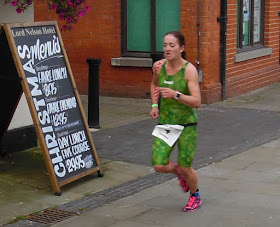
223	46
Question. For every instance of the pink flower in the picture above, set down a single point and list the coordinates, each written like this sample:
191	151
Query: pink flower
70	3
19	10
80	13
14	3
54	6
61	16
29	2
69	19
87	8
64	27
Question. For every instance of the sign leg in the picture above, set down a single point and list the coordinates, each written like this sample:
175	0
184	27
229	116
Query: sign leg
100	174
58	193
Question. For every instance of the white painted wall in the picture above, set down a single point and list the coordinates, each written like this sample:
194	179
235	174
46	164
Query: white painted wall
8	14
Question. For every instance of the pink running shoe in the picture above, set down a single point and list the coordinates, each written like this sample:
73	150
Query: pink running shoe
194	203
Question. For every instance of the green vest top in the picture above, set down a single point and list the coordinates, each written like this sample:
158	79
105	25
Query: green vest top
173	111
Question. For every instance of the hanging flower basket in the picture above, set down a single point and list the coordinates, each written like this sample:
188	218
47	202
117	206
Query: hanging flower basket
68	10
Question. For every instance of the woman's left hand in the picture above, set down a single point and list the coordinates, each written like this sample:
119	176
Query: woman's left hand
167	92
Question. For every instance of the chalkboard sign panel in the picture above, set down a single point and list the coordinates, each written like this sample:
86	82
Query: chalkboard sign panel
53	99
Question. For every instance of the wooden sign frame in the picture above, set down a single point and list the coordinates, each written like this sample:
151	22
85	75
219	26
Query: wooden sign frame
52	150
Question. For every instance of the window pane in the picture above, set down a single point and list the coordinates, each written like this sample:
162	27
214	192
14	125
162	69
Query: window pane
167	19
257	20
138	25
246	22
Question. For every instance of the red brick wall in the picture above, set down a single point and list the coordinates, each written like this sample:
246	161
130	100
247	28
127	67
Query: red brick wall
209	49
189	28
249	75
98	35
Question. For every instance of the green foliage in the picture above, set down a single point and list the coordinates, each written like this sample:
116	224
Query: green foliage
18	218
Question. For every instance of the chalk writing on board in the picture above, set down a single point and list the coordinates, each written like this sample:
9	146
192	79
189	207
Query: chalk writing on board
54	100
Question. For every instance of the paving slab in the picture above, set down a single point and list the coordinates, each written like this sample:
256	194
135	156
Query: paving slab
237	157
266	98
25	186
229	199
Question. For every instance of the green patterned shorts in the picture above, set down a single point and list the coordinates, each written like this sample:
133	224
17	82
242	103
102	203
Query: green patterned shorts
186	145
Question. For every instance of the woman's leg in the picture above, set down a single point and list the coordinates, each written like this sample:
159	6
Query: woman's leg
190	176
169	168
187	146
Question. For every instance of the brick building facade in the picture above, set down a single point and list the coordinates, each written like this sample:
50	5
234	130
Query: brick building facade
99	35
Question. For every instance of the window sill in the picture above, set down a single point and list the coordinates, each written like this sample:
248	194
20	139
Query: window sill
247	55
132	62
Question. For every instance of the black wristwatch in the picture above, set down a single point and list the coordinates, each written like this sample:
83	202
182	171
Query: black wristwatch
178	95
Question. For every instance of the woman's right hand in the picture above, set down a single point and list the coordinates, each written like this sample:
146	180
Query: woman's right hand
154	112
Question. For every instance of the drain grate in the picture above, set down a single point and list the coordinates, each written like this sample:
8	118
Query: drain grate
50	216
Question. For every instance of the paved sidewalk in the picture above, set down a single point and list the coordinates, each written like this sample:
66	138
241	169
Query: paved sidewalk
25	186
242	190
115	112
239	191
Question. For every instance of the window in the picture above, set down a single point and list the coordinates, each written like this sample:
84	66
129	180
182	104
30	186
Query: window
144	23
250	26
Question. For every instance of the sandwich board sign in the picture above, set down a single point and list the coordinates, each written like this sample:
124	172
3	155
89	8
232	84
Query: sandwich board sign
46	79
